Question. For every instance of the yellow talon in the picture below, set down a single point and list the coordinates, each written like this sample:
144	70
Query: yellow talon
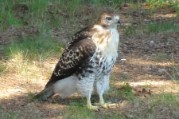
91	107
105	105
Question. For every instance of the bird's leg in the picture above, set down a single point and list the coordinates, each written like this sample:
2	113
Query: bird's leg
89	105
102	85
101	102
101	99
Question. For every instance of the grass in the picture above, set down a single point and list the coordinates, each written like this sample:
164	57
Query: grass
163	3
167	101
2	68
152	28
28	55
131	30
160	57
33	48
77	109
176	7
162	27
164	98
125	92
174	70
38	11
7	18
82	112
28	58
9	116
167	98
174	73
76	112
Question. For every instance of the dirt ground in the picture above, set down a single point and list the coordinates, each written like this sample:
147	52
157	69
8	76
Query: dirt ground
151	68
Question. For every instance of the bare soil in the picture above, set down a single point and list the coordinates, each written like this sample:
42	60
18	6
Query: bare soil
151	65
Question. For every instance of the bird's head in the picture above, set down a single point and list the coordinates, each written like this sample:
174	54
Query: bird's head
109	20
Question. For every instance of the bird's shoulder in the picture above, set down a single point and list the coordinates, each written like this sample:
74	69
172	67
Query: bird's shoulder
76	54
84	34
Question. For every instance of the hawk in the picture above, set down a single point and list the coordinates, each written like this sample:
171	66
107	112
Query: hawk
86	63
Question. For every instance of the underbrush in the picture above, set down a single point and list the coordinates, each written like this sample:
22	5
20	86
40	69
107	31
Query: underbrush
32	58
33	48
162	27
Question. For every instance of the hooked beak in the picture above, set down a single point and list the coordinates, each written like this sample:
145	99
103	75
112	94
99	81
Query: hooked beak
118	22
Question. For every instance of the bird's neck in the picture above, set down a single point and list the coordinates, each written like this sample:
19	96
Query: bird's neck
106	40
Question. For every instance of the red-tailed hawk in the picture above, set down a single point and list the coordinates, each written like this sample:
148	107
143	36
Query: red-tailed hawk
86	63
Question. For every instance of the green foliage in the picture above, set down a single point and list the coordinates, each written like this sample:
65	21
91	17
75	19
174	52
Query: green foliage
160	3
130	30
156	1
37	47
126	92
105	2
38	6
162	26
36	14
55	21
7	17
8	115
160	57
2	68
72	6
176	7
113	3
174	74
79	112
165	98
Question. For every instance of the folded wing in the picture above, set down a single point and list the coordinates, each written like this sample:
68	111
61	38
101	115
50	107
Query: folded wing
74	56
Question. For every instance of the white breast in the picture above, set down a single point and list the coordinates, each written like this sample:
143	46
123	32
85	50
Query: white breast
108	49
109	46
113	41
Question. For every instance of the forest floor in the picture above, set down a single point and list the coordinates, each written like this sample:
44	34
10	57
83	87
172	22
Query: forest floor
144	86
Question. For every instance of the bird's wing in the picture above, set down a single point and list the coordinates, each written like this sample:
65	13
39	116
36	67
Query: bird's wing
77	52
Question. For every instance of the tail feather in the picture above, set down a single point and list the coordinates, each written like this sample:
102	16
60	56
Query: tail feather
45	94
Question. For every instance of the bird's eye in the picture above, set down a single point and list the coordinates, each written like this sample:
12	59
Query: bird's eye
108	18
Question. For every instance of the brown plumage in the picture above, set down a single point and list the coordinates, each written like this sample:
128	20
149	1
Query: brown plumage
86	62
